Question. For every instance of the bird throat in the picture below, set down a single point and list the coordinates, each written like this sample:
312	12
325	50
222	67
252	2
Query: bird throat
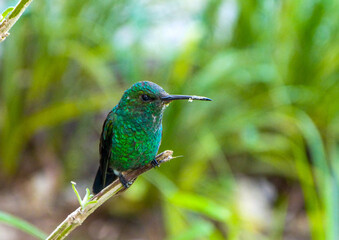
148	121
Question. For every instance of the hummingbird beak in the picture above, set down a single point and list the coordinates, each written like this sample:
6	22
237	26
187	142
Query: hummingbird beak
168	98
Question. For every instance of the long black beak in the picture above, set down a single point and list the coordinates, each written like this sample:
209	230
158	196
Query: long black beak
182	97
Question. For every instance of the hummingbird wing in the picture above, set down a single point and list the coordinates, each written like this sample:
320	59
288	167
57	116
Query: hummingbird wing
106	145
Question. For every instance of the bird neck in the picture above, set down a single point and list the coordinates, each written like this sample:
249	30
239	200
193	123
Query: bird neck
146	120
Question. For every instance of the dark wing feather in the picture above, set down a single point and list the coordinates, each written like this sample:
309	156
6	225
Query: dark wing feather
105	147
105	175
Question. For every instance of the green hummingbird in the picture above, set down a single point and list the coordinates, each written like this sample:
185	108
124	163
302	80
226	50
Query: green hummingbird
131	133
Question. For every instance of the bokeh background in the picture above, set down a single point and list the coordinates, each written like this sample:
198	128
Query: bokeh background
259	162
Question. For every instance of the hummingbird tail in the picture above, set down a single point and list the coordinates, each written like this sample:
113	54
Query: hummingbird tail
98	184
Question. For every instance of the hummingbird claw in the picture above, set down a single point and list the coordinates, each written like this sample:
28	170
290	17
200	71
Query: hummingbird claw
155	163
124	182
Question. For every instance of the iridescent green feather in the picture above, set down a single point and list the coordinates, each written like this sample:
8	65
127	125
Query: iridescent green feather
132	131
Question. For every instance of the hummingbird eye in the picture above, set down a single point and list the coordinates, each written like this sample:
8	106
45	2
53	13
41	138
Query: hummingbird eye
146	98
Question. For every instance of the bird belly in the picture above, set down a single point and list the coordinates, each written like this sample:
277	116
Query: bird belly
133	148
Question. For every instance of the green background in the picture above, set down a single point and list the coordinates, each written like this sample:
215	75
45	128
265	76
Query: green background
259	162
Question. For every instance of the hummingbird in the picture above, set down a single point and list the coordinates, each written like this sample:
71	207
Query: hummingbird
132	131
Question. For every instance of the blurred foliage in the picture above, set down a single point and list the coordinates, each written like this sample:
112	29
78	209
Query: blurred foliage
22	225
271	68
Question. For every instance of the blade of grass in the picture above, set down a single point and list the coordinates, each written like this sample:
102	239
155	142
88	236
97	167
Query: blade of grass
21	225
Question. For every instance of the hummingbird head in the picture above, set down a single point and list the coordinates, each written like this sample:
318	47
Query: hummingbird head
148	97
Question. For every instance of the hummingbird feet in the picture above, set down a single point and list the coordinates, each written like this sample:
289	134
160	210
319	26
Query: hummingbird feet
155	163
124	181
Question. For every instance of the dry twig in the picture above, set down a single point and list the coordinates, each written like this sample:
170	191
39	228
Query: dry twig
11	19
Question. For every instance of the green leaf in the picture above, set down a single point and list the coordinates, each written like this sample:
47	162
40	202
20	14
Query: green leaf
6	12
198	229
87	199
21	225
77	194
200	204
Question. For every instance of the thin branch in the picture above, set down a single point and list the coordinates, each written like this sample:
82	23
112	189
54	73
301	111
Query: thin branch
9	21
77	217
